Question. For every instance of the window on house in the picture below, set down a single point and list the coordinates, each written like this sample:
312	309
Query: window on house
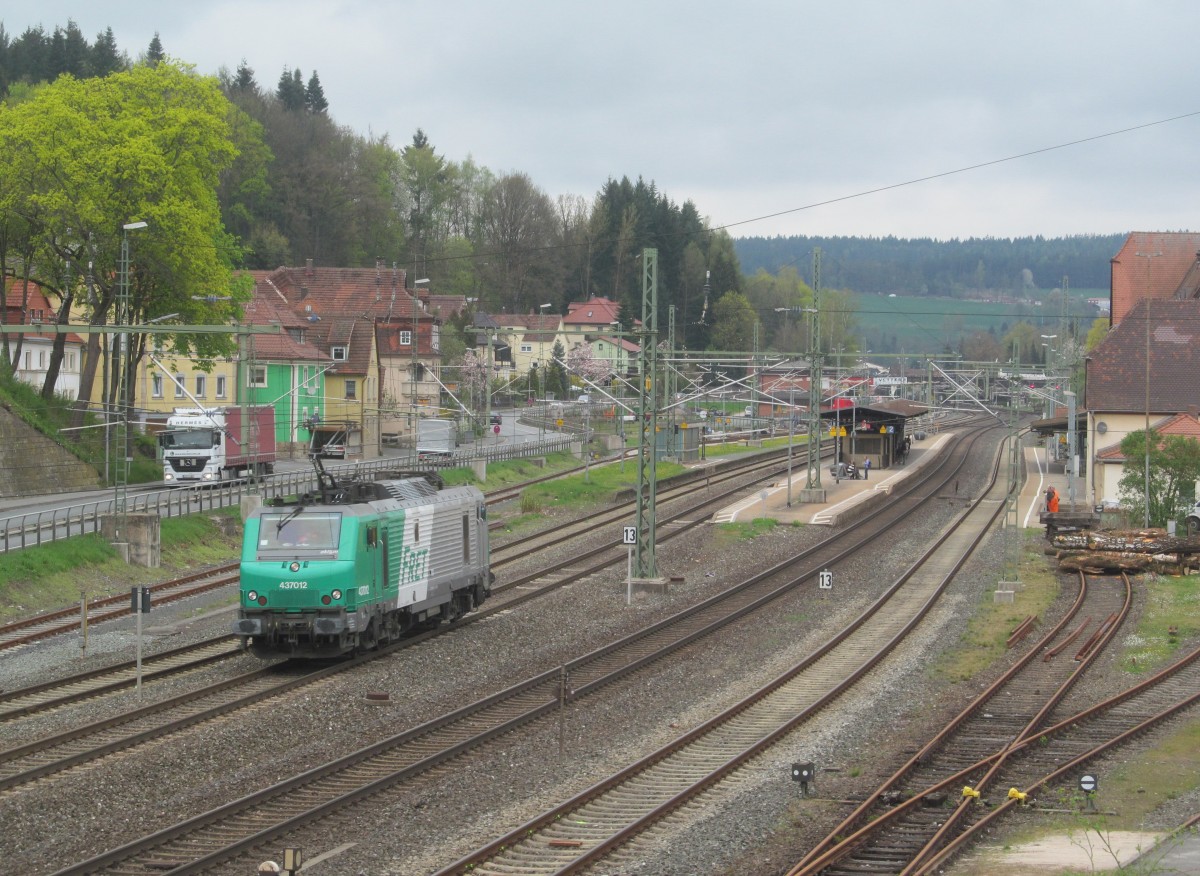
178	386
351	389
42	360
526	348
220	386
296	334
257	376
201	385
156	385
339	353
406	339
28	360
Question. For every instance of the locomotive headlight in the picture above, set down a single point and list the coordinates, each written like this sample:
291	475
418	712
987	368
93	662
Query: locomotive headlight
325	599
262	600
251	596
337	594
295	567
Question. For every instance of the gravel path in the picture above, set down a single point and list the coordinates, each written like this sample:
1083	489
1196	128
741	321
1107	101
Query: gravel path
758	826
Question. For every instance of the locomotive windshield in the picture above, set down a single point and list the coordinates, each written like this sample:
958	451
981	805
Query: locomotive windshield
189	439
303	533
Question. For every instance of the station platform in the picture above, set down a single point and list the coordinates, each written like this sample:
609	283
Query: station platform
843	497
846	498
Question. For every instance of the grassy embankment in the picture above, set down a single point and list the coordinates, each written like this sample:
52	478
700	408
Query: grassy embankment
55	575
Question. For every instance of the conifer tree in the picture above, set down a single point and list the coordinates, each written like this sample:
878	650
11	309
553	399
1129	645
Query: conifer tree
314	96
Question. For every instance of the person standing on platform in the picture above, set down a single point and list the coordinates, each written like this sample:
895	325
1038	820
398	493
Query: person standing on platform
867	469
1052	502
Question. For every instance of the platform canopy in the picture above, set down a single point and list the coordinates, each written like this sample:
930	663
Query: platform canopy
1055	425
871	417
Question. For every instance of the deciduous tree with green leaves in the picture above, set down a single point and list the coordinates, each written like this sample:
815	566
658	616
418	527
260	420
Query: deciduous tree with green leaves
1174	470
85	157
733	323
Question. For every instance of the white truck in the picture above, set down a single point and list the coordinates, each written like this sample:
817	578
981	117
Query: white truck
436	440
207	445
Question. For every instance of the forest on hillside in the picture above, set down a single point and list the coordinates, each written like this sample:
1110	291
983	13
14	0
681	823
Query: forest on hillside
270	178
300	186
971	268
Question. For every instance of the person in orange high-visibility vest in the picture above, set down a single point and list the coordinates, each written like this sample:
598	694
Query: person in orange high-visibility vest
1052	503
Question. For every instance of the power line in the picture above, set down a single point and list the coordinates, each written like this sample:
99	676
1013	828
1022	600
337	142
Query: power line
959	170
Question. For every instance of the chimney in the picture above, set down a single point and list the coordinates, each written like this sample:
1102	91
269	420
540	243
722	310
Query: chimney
308	267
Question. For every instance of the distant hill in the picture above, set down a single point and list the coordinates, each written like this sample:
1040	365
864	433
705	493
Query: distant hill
975	267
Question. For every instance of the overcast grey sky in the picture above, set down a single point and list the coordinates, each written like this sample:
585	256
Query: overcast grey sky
755	111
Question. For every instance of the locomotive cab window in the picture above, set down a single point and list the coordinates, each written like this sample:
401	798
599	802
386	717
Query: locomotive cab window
309	532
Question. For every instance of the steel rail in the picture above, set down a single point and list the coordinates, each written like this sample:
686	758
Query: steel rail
955	845
193	704
1106	634
592	848
286	789
1036	741
40	697
846	838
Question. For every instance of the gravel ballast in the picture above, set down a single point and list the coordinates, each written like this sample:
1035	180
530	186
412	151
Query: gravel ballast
756	825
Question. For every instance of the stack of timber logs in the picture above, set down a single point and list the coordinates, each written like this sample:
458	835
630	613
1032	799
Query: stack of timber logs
1129	550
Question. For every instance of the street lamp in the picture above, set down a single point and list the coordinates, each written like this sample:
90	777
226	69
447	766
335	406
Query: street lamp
542	370
412	398
792	428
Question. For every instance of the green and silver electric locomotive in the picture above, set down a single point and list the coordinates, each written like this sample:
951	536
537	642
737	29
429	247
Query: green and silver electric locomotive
359	565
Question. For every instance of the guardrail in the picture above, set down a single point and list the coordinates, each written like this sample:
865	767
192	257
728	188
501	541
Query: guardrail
40	527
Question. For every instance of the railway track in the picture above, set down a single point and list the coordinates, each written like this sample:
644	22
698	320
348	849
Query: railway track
1058	752
75	688
216	837
1062	751
899	819
609	816
38	759
67	620
732	477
